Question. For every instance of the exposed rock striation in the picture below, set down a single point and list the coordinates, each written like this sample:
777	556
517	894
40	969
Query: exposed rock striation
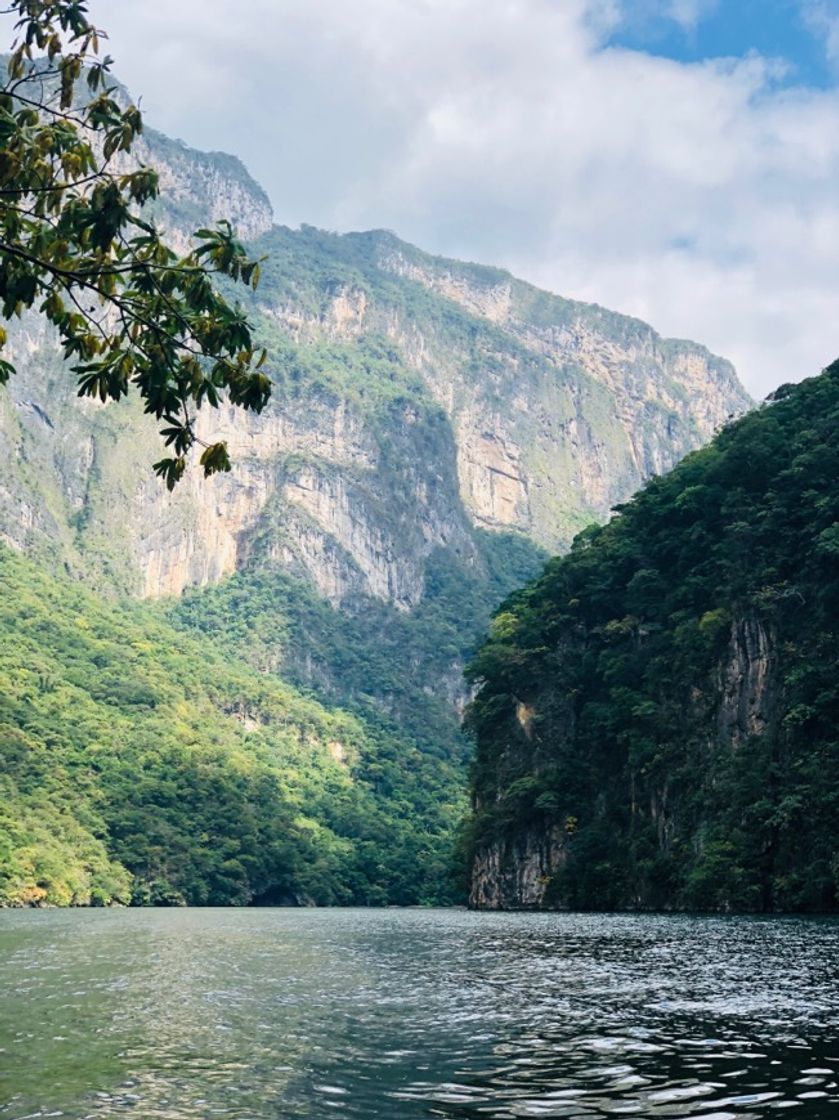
513	873
748	686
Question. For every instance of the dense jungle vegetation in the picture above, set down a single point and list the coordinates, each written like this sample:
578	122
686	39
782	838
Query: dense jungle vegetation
400	672
663	703
143	765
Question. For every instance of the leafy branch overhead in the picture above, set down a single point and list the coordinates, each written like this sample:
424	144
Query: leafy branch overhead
77	245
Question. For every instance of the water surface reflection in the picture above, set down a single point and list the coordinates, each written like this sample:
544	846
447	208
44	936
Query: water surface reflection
282	1013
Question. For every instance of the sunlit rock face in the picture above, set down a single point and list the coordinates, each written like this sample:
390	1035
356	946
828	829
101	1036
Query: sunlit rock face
417	400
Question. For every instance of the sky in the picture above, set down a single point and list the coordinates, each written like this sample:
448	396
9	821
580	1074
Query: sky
677	160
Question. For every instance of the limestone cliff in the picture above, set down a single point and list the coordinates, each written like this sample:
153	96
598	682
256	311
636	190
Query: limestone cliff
513	873
573	405
417	399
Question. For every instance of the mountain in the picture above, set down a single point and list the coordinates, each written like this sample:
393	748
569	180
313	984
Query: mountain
432	396
436	429
142	765
657	715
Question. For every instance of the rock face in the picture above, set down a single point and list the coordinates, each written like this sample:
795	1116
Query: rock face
575	407
514	872
422	407
204	187
747	685
417	400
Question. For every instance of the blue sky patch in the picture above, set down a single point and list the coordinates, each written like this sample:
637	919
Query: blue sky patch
780	29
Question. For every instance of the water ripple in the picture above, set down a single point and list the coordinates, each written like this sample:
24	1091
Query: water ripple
257	1015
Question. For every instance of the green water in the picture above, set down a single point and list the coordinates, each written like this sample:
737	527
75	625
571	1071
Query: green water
253	1014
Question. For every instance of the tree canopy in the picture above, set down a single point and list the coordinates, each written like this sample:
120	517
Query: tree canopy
79	247
665	698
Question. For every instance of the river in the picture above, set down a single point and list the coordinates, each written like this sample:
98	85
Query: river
257	1014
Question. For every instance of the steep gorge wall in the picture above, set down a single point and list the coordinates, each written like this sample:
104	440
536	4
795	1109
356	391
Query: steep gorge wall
495	406
656	714
519	867
574	406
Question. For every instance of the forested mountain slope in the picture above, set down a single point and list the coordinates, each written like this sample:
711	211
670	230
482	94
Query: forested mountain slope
140	765
435	427
658	716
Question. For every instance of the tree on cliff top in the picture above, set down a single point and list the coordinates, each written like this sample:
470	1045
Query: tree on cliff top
77	246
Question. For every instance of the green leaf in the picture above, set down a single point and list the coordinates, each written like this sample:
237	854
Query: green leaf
170	470
215	458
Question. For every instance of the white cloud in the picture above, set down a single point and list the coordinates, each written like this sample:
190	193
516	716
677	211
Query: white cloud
701	197
688	13
822	17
